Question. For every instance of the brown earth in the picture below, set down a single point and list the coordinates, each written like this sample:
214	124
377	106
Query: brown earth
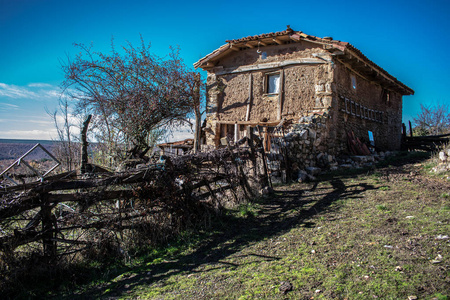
368	234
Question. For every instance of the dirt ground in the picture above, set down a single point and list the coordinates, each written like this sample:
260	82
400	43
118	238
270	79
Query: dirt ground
367	234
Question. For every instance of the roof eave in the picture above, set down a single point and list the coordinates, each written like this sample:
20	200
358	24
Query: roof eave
336	48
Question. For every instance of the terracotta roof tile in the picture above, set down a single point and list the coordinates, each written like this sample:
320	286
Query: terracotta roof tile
299	35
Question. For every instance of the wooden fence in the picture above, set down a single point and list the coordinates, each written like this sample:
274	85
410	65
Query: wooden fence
73	213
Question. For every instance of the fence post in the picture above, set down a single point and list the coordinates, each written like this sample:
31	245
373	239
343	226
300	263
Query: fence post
48	230
84	144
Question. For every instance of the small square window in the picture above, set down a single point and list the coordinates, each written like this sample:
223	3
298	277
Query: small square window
273	83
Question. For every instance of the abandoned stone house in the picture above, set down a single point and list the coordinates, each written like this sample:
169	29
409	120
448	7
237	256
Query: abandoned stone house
296	78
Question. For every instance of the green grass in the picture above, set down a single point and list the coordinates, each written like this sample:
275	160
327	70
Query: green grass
369	236
360	246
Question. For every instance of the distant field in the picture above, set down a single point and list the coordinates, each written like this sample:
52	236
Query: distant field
13	149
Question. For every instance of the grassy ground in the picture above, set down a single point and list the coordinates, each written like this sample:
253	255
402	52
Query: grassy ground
372	234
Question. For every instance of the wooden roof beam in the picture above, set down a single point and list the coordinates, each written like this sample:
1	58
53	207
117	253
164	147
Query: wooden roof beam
261	43
278	41
249	45
234	47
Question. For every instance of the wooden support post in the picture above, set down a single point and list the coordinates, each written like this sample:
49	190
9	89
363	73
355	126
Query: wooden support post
286	157
241	174
264	158
250	97
280	95
48	230
254	172
213	195
198	115
84	144
410	129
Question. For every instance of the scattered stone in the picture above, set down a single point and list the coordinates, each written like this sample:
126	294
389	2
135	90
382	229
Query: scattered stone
359	158
388	246
346	166
302	176
303	134
409	217
398	268
266	190
311	178
437	260
330	158
370	158
317	291
412	297
285	286
313	251
442	156
313	171
442	237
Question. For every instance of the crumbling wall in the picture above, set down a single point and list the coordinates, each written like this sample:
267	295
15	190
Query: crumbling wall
308	143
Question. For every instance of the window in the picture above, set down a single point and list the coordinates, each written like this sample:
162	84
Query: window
386	95
273	83
353	78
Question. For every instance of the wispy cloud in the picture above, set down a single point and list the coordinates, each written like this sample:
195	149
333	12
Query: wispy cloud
35	91
29	134
8	106
40	85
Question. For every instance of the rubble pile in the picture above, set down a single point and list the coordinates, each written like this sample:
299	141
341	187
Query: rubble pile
443	161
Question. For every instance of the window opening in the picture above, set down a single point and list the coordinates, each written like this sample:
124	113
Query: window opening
273	83
353	78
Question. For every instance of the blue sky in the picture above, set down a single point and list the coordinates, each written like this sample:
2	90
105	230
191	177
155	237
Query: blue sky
409	39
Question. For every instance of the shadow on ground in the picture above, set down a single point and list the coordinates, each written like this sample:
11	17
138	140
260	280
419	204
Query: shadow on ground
289	207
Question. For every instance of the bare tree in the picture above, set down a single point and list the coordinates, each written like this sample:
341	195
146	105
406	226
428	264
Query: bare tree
432	120
130	95
66	150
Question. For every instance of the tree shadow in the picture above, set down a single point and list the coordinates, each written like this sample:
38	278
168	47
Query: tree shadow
280	213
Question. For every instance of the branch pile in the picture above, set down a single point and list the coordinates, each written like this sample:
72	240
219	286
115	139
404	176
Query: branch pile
101	214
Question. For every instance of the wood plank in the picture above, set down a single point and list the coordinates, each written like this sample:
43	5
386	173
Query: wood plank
278	41
251	123
271	65
250	97
280	95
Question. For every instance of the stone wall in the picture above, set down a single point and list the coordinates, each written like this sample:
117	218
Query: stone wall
309	143
384	108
